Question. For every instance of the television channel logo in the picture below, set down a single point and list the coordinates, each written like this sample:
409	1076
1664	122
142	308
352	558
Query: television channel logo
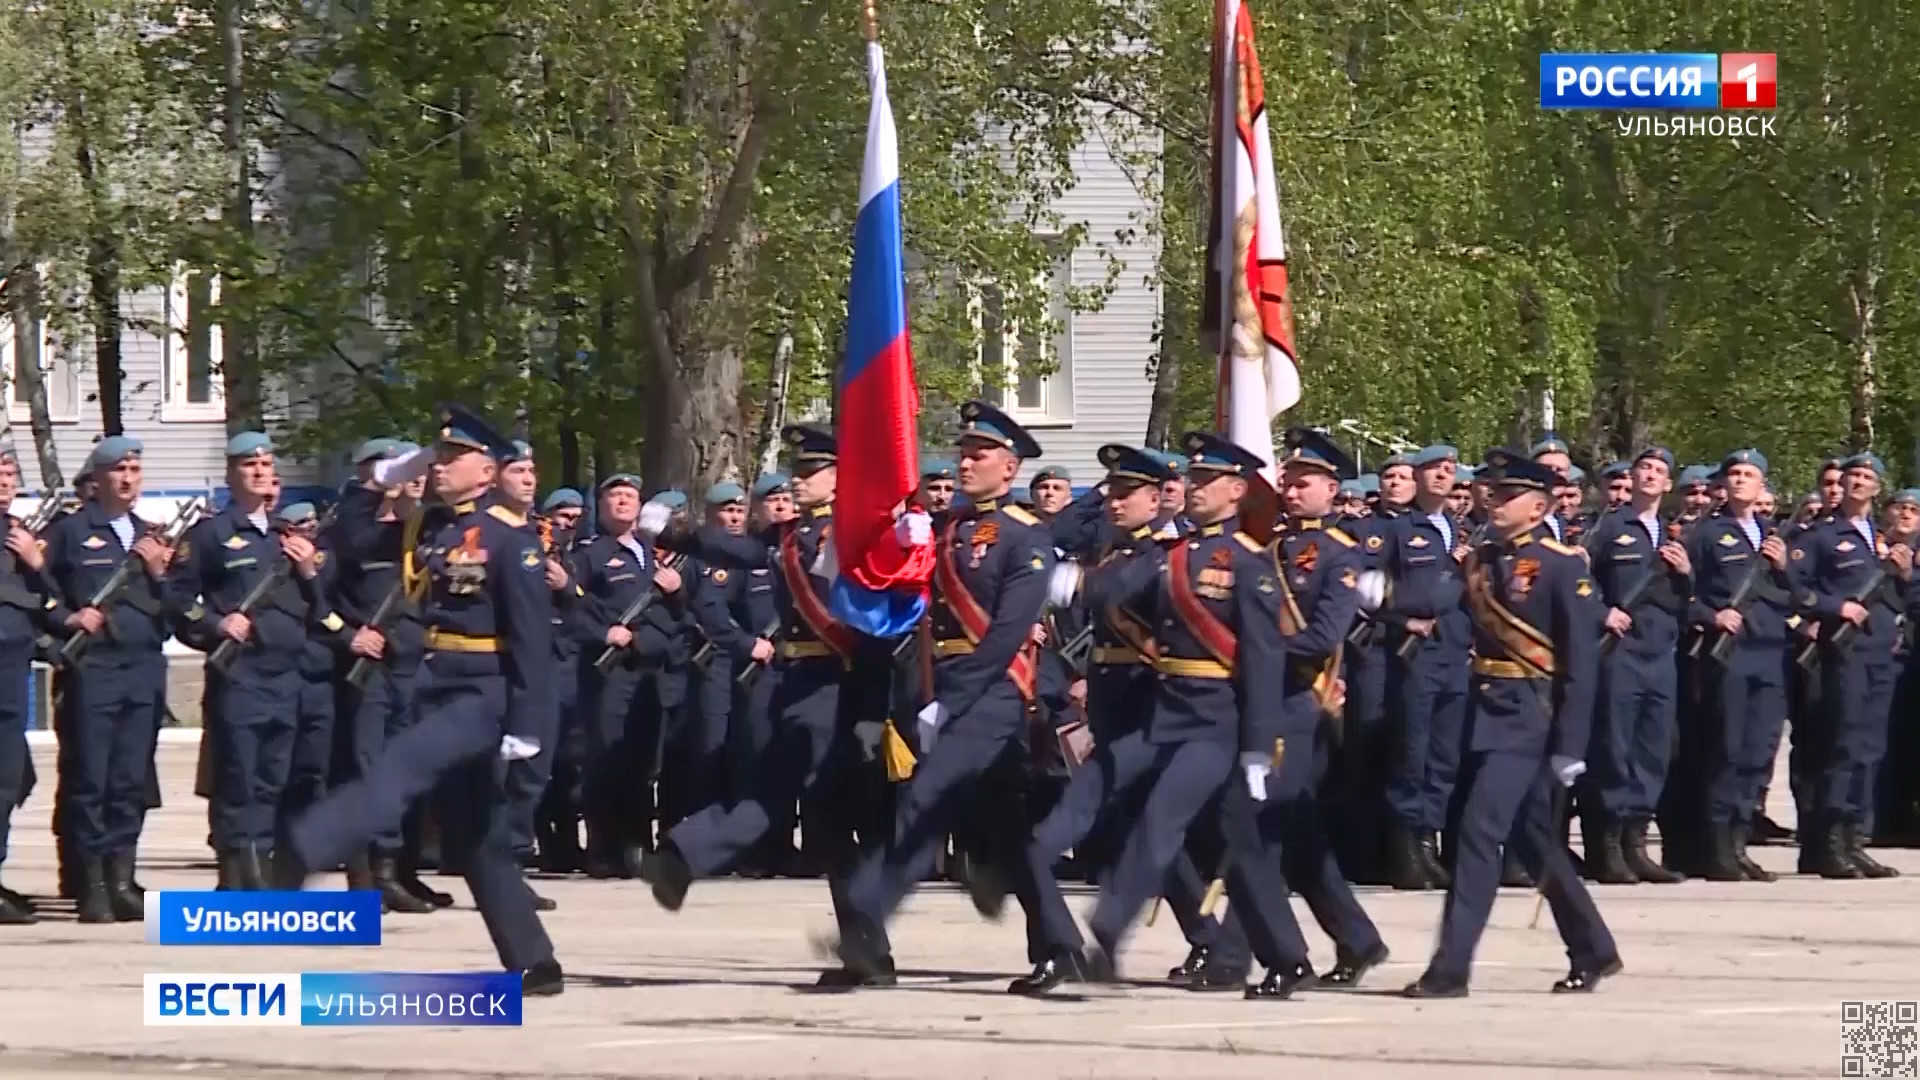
1614	81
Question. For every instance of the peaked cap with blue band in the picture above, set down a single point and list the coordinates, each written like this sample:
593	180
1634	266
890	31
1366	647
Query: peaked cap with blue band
813	447
982	421
1215	454
1315	449
464	428
1507	469
1130	463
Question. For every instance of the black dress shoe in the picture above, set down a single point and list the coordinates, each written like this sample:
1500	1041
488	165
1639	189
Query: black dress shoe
986	888
17	899
1430	862
1429	986
1217	978
544	979
411	882
1278	987
13	913
1189	969
1583	980
669	876
1061	967
1349	969
543	903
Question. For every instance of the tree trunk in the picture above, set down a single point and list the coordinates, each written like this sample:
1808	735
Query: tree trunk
26	308
1166	395
774	417
239	372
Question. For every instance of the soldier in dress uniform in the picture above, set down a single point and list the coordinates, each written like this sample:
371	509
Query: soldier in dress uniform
1843	584
1052	489
1421	558
1644	578
1119	700
1533	674
1695	497
990	589
22	596
699	772
1396	484
825	677
1461	503
556	824
1898	821
114	691
1172	520
1742	599
488	613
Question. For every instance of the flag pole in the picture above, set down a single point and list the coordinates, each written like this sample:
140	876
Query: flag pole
873	22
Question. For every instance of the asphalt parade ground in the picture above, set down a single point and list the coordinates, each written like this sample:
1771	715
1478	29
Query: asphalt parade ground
1721	979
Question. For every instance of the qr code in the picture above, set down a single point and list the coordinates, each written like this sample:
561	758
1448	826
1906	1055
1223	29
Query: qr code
1879	1038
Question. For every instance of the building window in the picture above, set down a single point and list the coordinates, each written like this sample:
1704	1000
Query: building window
1027	370
56	363
193	389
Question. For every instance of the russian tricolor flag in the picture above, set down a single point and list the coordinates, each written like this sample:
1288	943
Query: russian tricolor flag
882	587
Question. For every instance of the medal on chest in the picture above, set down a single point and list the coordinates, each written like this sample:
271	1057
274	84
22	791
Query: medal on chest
1216	578
983	537
1304	561
467	564
1520	584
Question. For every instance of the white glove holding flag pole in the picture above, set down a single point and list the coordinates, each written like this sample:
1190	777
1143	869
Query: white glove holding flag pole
514	748
1566	769
1372	590
826	565
1257	767
653	518
868	732
931	718
390	471
913	529
1064	584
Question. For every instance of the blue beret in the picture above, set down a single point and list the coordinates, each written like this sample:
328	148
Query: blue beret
375	449
464	428
1434	455
1397	459
111	451
938	468
672	498
1909	496
1660	453
1370	484
1745	457
561	499
1134	464
768	483
1830	463
814	447
1315	449
1866	460
1615	468
1507	469
723	493
1052	472
982	421
1211	453
621	479
401	448
1351	488
1464	475
247	444
1552	444
1695	474
1576	474
297	513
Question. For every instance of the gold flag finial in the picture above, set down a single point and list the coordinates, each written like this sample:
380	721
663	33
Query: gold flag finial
873	22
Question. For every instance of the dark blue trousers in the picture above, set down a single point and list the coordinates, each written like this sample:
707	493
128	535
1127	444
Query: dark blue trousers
625	709
382	710
1185	779
1358	803
697	773
16	662
313	741
1749	696
253	733
1633	732
113	729
454	743
1856	692
1432	714
527	778
1513	795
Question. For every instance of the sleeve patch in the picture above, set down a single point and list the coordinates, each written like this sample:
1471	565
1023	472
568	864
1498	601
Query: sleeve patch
1584	589
530	559
333	623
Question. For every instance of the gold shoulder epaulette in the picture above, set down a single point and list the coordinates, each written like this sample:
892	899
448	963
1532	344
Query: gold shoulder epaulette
501	513
1334	531
1557	547
1248	542
1020	514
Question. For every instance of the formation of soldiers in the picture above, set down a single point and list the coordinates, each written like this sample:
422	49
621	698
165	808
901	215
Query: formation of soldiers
1165	686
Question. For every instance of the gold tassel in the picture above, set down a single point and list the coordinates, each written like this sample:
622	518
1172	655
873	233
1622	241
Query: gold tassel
899	758
1214	892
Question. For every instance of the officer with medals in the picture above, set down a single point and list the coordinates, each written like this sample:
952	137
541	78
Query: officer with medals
828	681
1213	606
1120	691
627	705
21	598
113	692
1421	561
483	687
1742	598
1845	586
1644	578
993	559
1533	676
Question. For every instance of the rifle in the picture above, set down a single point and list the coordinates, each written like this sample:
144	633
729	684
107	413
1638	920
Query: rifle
1410	642
751	672
222	654
1076	649
51	504
1722	641
183	519
627	617
1638	590
362	668
1846	630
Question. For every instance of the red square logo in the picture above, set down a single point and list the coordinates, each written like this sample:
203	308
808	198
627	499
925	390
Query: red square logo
1746	80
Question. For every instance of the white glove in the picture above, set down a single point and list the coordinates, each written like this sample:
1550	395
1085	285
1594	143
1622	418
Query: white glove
514	748
1567	769
390	471
1372	589
1064	584
826	565
913	529
653	519
868	732
1256	767
931	718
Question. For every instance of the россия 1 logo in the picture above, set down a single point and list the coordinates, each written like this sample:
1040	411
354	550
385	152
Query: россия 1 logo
1655	82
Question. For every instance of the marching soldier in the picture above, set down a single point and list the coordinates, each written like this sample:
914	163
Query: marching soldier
487	609
21	597
114	690
1534	668
699	773
1644	577
1743	599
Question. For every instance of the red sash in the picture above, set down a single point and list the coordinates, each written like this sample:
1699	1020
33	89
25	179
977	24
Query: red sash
1213	633
807	602
974	620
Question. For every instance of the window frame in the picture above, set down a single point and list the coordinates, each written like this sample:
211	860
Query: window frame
54	362
1056	408
176	354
